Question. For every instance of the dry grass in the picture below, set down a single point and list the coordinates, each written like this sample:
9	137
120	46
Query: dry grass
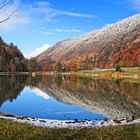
17	131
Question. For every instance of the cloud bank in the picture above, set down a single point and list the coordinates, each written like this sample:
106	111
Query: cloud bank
18	18
37	12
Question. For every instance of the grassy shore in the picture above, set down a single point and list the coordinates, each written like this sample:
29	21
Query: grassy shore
18	131
127	73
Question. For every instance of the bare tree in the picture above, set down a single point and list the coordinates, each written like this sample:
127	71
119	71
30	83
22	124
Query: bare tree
4	4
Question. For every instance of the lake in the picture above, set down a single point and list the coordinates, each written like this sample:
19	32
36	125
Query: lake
69	97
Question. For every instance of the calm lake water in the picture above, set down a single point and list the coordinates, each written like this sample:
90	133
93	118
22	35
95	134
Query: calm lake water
69	97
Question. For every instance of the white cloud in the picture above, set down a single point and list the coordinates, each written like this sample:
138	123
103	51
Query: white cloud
43	3
136	3
46	33
68	30
38	51
41	11
18	18
58	30
48	12
74	14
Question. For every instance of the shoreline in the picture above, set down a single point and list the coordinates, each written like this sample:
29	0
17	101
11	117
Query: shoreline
127	73
69	124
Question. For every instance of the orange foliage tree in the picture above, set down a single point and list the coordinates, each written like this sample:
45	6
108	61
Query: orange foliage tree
45	68
74	65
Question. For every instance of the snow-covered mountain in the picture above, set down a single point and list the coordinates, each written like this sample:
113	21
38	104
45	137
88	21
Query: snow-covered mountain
102	48
38	51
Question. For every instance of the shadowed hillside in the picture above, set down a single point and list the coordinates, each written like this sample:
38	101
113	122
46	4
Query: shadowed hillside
11	59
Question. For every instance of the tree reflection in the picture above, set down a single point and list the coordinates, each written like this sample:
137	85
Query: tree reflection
11	86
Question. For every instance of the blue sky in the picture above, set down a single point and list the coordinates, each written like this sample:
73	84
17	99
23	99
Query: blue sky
46	22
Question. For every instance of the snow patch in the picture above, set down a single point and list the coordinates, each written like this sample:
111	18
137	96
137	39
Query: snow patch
69	123
38	51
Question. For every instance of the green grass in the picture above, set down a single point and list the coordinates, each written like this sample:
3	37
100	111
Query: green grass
17	131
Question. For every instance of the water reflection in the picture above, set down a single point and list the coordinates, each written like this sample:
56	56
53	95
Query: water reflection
114	98
10	87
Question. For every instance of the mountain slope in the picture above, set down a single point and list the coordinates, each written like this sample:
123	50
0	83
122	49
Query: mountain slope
102	48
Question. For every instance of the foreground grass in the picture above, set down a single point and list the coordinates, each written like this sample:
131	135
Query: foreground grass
17	131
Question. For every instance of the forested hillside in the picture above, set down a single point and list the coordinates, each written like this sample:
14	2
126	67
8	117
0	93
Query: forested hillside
11	59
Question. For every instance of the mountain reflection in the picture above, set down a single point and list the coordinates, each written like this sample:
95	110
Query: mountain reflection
11	86
114	98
